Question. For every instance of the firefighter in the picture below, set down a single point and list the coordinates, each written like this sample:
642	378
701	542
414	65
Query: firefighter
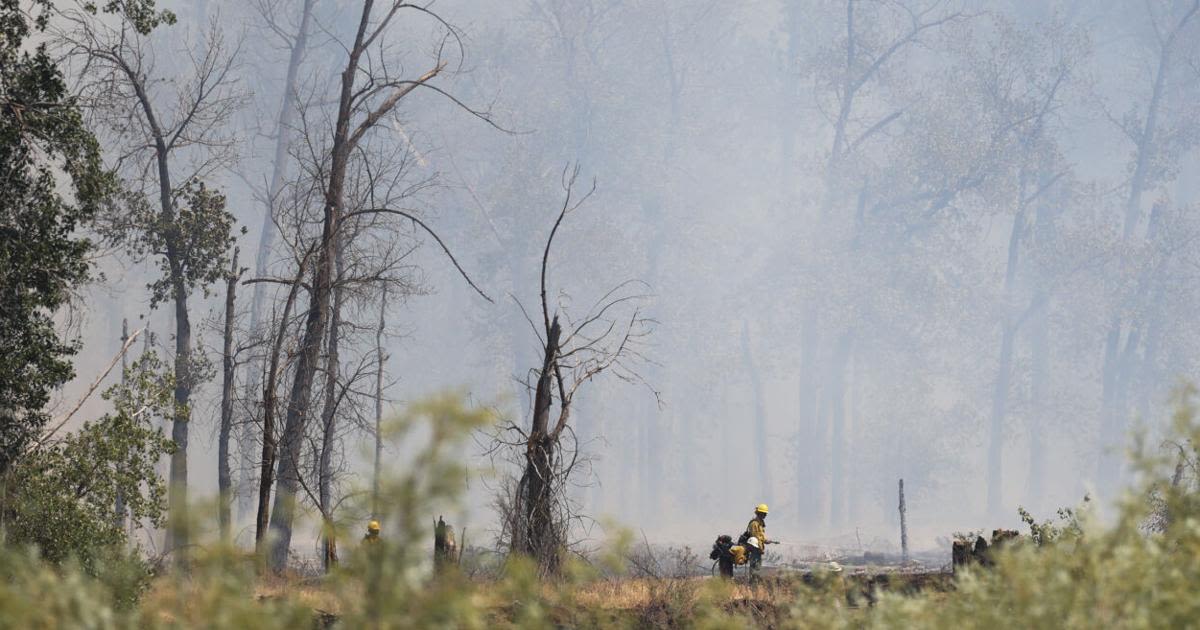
756	537
372	536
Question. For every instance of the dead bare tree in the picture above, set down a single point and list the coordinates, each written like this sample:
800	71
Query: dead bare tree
368	93
228	372
537	513
294	36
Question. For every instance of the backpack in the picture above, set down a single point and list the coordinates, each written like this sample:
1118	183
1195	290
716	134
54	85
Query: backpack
746	534
721	547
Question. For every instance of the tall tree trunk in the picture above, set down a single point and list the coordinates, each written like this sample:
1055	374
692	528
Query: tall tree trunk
795	19
808	464
1039	349
1040	416
283	139
538	540
763	483
119	509
1146	142
1120	366
329	418
995	458
224	479
177	530
177	499
270	443
854	482
316	321
837	418
379	360
1116	381
1009	326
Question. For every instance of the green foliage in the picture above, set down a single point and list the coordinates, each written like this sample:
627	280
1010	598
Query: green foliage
192	243
1081	574
1048	532
61	498
52	183
142	14
383	584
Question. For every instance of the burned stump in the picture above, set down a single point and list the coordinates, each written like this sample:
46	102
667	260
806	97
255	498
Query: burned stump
964	551
445	552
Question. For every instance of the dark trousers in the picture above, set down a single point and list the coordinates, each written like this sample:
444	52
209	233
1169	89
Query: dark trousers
725	565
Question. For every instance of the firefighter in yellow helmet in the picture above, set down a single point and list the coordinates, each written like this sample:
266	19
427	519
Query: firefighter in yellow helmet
372	536
755	537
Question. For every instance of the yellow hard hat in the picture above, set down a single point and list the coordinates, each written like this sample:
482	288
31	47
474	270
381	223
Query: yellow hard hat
762	507
373	526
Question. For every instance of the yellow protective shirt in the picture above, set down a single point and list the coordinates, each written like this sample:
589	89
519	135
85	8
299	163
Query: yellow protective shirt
758	529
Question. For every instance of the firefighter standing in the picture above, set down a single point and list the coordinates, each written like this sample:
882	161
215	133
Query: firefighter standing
756	532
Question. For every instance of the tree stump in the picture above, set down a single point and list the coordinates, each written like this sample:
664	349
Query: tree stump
981	552
444	547
960	554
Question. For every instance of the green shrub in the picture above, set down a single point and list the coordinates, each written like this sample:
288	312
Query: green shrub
1081	574
62	497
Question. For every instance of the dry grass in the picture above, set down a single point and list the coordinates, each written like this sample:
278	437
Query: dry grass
634	593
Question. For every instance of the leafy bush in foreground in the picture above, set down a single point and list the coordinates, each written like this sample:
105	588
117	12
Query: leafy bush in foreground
1080	575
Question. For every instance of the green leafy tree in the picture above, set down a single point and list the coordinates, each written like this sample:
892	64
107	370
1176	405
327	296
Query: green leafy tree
43	144
162	121
63	497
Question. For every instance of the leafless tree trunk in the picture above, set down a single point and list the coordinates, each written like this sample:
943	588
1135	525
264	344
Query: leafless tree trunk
837	420
760	418
298	46
809	468
539	515
269	440
379	361
359	110
224	479
329	414
995	462
903	526
282	513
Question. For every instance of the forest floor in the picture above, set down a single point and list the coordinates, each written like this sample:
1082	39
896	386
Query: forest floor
644	601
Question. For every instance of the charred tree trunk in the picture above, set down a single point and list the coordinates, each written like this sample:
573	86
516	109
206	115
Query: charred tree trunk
445	550
224	479
538	540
